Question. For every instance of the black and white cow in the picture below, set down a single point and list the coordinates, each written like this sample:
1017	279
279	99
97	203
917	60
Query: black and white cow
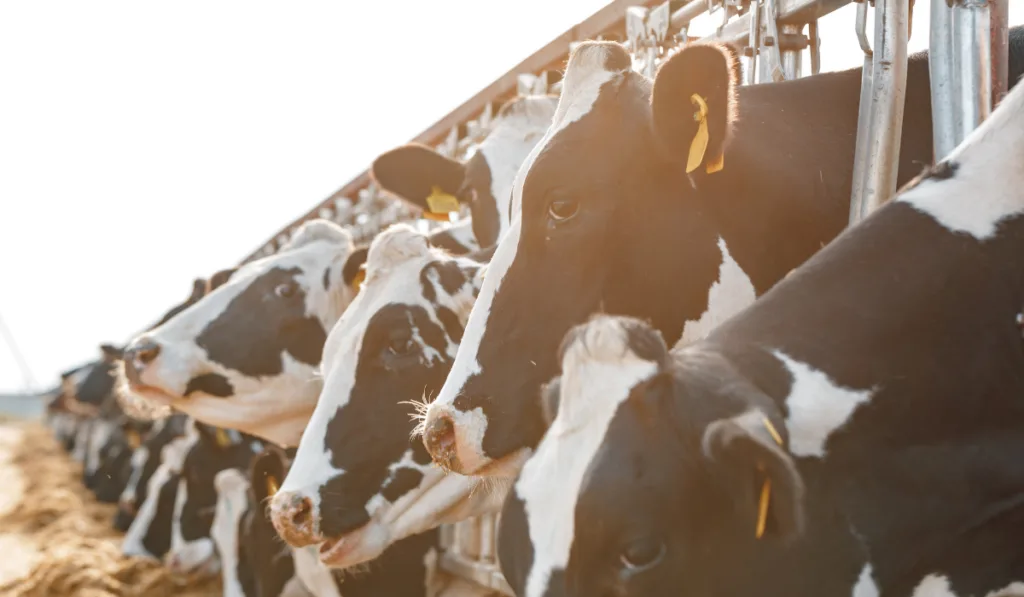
246	355
857	431
193	552
608	219
359	484
114	471
150	533
437	184
143	464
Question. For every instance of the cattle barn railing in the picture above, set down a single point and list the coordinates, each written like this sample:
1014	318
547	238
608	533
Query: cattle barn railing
968	41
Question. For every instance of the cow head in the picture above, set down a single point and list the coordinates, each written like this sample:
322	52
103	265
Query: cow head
114	470
149	535
137	406
358	481
193	552
662	461
246	356
595	206
142	464
438	184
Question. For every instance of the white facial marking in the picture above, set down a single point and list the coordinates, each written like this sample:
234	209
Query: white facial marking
138	461
584	77
985	188
598	372
232	503
730	294
817	407
865	586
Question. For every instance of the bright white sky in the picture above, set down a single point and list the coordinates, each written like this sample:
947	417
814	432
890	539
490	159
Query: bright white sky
145	144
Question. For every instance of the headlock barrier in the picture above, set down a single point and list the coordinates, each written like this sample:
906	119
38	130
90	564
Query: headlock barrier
968	44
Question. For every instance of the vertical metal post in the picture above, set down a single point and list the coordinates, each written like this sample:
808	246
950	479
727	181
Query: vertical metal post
862	155
792	60
879	162
1000	15
971	24
754	42
815	39
945	89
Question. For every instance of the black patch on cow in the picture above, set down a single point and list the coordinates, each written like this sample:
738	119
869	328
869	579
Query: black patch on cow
97	385
515	551
154	442
447	273
476	191
450	321
260	324
213	384
404	481
202	463
157	539
327	278
616	59
370	433
419	451
444	239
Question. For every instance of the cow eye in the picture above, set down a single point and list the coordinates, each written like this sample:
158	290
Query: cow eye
401	346
563	210
285	290
643	554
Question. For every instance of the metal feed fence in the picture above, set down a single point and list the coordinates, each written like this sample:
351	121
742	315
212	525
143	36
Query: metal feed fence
968	40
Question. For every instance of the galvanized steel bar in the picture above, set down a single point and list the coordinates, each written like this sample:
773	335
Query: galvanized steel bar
792	60
971	24
1000	34
878	168
941	68
862	149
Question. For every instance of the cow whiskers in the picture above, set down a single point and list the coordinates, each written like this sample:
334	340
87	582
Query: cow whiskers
419	414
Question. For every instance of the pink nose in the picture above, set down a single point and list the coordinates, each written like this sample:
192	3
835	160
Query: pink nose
295	519
439	439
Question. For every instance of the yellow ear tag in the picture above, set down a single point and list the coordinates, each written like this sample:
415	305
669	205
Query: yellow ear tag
440	204
133	439
271	486
222	438
715	164
699	145
358	279
766	488
762	508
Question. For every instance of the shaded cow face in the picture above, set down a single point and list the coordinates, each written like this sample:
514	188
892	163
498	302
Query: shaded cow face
192	548
149	535
661	461
358	481
246	355
112	475
419	174
143	463
598	200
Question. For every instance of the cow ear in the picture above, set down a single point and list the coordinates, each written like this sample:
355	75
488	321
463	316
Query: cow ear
266	474
354	272
693	105
199	286
421	176
748	450
318	230
111	352
219	279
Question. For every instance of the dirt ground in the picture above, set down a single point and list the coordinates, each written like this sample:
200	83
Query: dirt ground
55	539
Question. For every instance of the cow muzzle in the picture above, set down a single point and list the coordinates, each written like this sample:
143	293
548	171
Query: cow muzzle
454	440
295	518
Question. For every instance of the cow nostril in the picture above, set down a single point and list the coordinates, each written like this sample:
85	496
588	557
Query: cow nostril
302	511
439	439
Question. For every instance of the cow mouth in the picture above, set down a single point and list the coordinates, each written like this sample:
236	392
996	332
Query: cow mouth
354	547
152	393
